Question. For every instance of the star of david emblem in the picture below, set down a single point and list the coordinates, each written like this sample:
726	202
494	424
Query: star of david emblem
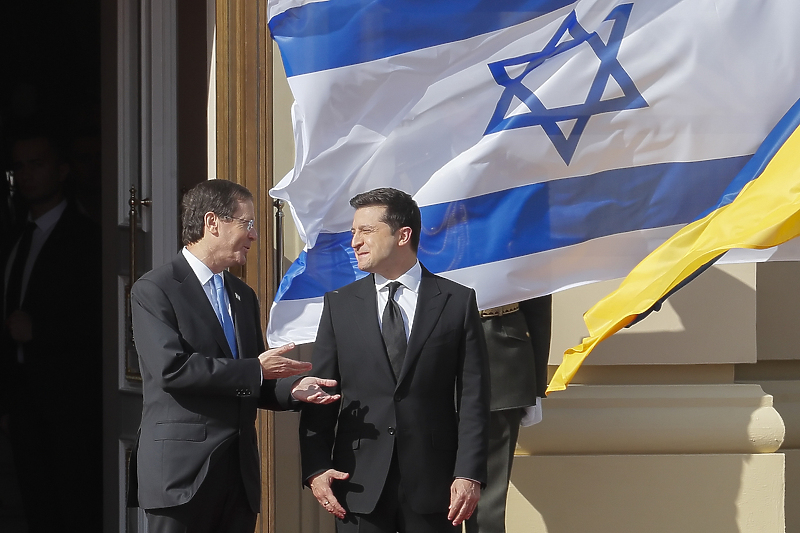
515	93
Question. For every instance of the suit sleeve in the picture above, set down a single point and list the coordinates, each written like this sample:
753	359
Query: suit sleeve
473	398
276	394
165	358
318	422
538	315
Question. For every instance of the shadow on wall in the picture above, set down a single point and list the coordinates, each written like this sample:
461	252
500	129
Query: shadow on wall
713	321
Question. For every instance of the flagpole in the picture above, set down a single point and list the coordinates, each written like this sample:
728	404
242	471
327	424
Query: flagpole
278	204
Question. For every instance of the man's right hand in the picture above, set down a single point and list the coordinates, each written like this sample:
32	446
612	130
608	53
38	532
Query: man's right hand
321	487
274	365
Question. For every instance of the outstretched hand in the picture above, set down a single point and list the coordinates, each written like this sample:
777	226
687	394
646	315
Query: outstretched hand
309	389
274	365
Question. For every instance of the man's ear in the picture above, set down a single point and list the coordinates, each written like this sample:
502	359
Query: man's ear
405	236
211	223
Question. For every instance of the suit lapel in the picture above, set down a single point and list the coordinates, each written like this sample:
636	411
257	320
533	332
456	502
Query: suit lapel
193	292
430	303
49	252
365	315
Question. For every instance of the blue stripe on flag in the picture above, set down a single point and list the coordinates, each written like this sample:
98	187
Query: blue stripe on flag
772	143
326	35
332	264
558	213
535	218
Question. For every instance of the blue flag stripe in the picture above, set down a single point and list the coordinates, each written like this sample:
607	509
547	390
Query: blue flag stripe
534	218
330	265
325	35
772	143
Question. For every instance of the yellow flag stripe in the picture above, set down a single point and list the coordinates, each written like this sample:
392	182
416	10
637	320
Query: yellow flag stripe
766	213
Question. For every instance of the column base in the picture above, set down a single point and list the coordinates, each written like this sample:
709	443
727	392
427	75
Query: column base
647	494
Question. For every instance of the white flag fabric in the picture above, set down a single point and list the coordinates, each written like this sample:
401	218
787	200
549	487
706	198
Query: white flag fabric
549	143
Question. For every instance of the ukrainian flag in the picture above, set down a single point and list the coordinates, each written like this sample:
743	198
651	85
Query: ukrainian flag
759	209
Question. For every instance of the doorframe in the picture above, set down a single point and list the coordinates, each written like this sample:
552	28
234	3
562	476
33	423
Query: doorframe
244	154
139	132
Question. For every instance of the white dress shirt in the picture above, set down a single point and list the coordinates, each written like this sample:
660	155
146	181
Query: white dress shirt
406	295
204	276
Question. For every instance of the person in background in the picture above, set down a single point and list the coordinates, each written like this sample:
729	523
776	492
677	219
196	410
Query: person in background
518	341
51	399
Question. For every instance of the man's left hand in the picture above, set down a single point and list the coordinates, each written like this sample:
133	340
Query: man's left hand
464	496
309	389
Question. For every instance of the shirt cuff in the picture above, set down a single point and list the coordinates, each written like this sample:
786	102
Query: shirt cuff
533	414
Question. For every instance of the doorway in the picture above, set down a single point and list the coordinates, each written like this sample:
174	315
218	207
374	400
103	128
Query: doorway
50	87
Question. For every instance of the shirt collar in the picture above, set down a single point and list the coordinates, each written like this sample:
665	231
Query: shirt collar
410	280
200	269
49	219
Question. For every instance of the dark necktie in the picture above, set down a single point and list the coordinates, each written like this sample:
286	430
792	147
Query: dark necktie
394	333
18	268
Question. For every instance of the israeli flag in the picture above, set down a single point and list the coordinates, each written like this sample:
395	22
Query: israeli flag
549	143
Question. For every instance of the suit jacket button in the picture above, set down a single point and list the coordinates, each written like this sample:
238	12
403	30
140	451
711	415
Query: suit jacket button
397	397
391	430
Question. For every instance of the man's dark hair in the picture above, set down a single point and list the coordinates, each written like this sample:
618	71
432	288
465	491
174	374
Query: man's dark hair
221	197
401	210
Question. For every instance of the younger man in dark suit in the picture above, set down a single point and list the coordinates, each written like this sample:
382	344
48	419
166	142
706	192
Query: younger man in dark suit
407	450
197	329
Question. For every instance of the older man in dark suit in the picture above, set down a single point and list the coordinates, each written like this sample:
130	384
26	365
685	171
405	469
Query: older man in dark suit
407	450
197	330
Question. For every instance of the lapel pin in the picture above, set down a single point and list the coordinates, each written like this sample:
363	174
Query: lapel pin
237	296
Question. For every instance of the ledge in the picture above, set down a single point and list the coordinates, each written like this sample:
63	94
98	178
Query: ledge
655	419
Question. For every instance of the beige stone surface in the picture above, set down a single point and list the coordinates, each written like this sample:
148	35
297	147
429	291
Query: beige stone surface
786	396
792	490
778	310
618	419
711	320
715	493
